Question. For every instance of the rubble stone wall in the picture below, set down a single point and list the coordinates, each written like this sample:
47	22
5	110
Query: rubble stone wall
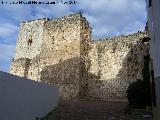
60	52
34	69
29	39
20	67
61	58
115	63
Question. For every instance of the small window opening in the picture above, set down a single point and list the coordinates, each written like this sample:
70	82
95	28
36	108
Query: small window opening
29	41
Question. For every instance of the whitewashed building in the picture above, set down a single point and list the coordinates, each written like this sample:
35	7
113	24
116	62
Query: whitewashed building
153	14
24	99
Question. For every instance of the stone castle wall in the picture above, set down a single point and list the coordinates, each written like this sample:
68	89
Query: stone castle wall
29	31
20	67
114	64
60	60
61	52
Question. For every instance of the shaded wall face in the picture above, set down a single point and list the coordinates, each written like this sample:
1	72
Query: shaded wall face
65	75
153	14
29	39
84	58
153	23
157	84
34	69
24	99
20	67
60	55
117	63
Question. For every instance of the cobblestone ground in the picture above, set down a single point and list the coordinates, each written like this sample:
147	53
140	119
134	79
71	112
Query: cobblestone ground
95	110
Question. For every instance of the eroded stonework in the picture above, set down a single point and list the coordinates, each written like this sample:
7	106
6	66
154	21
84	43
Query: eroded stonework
60	52
116	62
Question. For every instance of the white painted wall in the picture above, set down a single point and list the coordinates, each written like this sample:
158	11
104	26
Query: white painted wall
23	99
154	34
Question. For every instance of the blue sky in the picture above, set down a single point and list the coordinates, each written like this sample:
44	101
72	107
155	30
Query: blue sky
107	18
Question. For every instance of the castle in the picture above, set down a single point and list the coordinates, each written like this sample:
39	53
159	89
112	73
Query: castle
61	52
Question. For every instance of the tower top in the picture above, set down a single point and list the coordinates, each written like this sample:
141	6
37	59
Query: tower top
78	14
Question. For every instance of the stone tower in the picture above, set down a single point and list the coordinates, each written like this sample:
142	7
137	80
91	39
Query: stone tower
55	52
60	52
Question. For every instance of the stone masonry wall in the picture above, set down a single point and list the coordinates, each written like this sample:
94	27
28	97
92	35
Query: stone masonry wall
115	63
61	52
34	69
20	67
29	39
84	56
60	56
28	47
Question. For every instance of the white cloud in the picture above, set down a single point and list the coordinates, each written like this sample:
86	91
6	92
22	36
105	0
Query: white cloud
51	11
17	13
8	29
114	16
106	17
